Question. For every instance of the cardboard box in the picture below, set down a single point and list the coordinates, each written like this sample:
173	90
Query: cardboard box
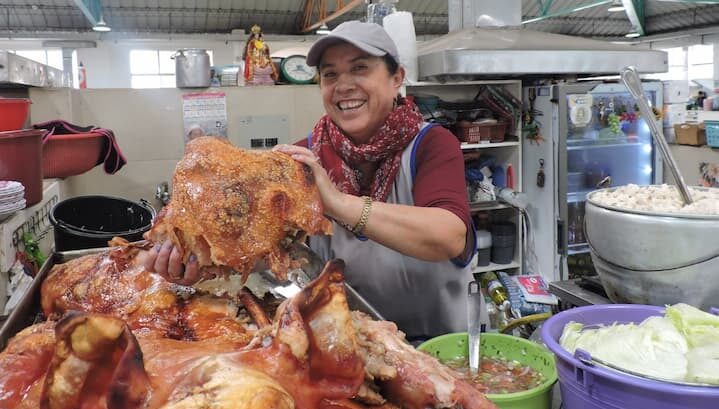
676	91
690	134
674	114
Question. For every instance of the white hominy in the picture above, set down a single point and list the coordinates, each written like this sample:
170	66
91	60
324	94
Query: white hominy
660	198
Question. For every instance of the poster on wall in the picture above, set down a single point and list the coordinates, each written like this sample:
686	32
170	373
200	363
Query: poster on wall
709	174
204	114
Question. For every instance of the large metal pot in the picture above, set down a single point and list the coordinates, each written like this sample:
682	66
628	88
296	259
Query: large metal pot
192	68
696	284
654	258
648	241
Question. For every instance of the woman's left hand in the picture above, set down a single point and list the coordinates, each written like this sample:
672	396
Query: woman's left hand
331	197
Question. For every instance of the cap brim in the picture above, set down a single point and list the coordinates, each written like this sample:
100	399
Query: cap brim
319	47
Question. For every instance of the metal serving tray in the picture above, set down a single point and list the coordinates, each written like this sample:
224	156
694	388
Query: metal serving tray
29	312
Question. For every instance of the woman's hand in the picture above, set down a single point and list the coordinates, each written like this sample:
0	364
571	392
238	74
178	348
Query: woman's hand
331	197
166	260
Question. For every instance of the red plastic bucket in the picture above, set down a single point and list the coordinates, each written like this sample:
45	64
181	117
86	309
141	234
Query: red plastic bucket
21	160
71	154
13	113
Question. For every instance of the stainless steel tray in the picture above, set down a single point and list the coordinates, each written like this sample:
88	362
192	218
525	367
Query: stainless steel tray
28	310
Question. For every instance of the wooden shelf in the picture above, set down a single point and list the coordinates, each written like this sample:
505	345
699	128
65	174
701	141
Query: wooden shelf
495	267
469	146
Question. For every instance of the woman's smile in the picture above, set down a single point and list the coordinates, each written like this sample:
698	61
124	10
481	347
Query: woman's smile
351	105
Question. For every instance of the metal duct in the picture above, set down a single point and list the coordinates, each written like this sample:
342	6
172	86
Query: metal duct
481	45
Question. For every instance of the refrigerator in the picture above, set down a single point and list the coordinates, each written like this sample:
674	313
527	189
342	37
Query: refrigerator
578	137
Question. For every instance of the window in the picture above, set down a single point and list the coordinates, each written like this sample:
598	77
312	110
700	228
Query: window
153	68
52	58
676	65
700	62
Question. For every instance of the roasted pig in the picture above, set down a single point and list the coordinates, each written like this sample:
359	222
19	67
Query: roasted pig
314	354
115	282
232	207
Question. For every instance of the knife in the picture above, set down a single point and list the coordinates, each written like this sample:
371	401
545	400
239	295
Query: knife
474	299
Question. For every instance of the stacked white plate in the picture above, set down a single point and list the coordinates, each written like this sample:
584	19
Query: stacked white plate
12	198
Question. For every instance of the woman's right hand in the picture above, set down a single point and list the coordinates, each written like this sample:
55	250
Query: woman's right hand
166	260
332	198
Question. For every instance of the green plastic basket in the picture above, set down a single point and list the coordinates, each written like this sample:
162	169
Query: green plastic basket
452	346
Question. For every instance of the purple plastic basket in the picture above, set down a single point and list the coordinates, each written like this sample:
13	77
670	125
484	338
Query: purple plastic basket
594	387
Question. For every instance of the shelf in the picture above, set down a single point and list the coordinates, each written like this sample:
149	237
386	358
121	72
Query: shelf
495	267
625	140
605	145
483	206
578	196
470	146
454	83
579	248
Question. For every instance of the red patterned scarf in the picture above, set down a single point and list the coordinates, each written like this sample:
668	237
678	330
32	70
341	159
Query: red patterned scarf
341	157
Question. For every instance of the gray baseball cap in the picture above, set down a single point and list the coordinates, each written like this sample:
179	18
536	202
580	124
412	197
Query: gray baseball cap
368	37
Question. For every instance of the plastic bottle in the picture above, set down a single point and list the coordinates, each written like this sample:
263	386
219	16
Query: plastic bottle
495	290
82	76
377	11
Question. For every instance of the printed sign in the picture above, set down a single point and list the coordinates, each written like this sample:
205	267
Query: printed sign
204	114
709	174
580	109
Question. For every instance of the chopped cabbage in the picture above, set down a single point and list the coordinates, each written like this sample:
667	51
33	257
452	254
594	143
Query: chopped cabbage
699	327
681	346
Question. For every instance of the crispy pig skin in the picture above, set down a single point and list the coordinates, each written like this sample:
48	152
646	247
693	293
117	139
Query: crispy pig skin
117	352
232	207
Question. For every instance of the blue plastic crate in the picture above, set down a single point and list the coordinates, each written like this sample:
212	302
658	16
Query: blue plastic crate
712	132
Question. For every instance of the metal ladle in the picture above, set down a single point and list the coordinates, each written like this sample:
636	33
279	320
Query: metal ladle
634	84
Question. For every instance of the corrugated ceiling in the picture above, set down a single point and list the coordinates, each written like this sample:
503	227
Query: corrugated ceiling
284	16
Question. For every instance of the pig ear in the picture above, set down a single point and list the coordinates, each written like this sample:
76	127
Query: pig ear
80	370
317	326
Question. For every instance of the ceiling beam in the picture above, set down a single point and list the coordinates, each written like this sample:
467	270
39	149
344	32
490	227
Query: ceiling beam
545	6
635	13
92	9
545	11
341	9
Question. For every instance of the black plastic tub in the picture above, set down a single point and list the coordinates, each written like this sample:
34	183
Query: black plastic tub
86	222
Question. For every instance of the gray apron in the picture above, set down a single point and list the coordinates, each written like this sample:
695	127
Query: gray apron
423	298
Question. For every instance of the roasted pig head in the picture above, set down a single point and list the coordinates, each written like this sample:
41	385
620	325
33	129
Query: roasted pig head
97	363
232	207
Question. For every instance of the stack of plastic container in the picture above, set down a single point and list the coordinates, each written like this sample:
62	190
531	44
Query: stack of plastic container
12	198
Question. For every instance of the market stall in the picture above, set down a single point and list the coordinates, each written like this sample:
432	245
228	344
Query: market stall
202	265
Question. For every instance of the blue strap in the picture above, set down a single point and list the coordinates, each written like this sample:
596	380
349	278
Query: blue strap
457	261
418	140
309	140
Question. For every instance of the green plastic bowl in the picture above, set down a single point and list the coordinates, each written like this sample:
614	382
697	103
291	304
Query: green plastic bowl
452	346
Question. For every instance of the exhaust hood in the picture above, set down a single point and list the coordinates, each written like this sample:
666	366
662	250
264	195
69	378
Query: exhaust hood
494	50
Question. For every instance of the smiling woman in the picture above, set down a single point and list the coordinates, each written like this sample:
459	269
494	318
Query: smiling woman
391	183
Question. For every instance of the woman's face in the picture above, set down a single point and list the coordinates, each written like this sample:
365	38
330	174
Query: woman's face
358	91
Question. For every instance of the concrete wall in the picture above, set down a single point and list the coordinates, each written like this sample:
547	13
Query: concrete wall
149	128
688	159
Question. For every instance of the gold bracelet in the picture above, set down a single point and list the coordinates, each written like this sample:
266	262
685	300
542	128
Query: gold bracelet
364	217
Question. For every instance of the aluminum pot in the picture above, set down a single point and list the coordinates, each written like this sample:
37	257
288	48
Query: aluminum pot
696	284
647	241
192	68
654	258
